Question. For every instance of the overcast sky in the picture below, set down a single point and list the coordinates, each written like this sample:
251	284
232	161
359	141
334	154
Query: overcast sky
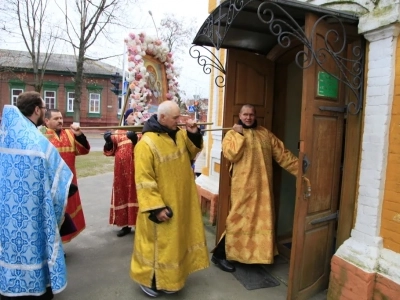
192	79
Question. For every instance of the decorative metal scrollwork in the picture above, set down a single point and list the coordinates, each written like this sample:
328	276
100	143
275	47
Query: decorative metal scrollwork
351	70
286	29
217	36
207	62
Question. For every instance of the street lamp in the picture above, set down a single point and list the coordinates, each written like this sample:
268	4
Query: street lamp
151	15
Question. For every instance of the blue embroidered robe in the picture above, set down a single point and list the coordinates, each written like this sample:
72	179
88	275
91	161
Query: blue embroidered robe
34	184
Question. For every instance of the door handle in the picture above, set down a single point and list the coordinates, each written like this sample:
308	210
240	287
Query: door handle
307	190
305	165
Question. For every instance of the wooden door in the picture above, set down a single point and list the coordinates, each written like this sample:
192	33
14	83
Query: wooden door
249	80
321	138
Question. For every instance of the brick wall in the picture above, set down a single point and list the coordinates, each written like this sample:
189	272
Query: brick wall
109	102
390	226
348	282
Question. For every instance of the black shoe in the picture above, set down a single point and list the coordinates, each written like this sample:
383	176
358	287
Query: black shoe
223	264
124	231
149	291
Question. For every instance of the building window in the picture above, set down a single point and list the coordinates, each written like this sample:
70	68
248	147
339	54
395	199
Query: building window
94	103
50	99
16	87
14	95
94	100
70	101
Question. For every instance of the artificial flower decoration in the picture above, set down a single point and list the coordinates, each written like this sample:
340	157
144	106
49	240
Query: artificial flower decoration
138	46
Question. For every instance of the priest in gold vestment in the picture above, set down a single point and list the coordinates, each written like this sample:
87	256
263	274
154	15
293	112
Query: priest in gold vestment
250	233
169	243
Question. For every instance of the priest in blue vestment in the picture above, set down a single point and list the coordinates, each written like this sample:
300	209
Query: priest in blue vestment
34	186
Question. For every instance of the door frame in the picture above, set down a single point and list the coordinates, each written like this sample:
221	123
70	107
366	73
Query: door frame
351	152
229	112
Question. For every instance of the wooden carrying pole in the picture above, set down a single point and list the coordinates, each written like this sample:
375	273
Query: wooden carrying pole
133	127
216	129
211	129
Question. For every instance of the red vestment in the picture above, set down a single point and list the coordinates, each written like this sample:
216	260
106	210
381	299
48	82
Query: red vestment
69	148
124	204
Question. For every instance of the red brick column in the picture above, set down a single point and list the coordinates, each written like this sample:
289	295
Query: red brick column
347	282
386	288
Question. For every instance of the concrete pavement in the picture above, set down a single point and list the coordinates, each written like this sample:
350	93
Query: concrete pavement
98	261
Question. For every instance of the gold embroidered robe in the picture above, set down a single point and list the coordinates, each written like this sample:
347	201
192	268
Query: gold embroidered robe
69	148
175	248
250	223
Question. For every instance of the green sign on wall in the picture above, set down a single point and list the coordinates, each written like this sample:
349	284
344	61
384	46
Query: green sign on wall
328	85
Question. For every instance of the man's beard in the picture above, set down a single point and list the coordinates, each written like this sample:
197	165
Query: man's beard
40	121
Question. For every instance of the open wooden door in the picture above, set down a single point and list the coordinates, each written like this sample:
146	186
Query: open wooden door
321	139
249	80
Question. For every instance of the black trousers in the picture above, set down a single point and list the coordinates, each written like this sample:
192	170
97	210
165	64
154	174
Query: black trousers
46	296
219	251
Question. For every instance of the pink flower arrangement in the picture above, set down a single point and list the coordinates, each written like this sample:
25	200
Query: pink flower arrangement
138	46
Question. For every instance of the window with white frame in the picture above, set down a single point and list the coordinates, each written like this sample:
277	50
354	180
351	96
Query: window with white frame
70	101
50	99
14	95
94	103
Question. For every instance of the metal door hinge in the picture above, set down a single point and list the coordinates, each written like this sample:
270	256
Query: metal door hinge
339	109
330	217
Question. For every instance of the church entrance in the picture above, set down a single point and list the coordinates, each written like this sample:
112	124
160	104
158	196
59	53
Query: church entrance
306	87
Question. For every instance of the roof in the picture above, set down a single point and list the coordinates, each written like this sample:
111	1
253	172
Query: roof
57	63
254	25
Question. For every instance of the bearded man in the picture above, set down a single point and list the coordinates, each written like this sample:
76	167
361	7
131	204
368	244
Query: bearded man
35	184
250	232
70	143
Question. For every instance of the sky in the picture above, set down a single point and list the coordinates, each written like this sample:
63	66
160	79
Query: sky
192	79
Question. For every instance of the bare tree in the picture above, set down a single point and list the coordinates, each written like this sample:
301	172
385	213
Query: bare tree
176	32
38	38
3	29
92	20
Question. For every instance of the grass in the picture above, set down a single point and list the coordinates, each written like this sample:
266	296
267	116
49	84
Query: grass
94	163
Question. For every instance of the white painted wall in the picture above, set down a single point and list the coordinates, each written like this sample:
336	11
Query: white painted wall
365	248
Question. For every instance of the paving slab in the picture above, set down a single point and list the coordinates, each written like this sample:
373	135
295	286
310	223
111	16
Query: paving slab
98	261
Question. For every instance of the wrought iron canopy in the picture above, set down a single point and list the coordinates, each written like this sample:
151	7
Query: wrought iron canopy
236	23
260	25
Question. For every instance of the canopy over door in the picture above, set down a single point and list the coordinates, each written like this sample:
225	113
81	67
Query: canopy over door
258	26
